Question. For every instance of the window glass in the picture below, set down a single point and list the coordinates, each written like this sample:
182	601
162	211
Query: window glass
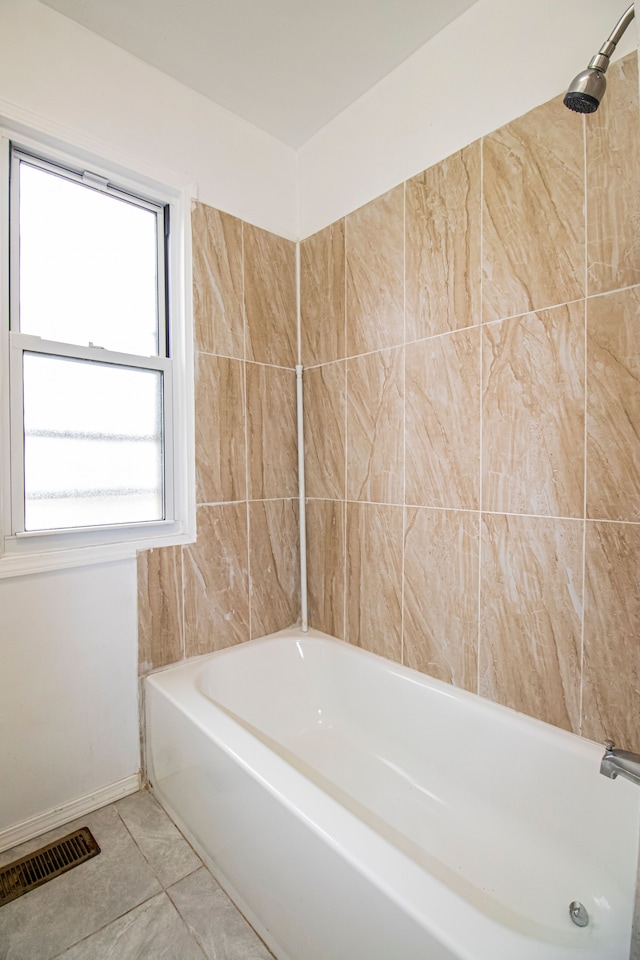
88	265
93	440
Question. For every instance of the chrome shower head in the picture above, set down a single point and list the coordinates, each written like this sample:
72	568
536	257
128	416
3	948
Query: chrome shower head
586	91
588	88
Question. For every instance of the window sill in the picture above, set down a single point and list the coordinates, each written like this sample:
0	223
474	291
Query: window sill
21	565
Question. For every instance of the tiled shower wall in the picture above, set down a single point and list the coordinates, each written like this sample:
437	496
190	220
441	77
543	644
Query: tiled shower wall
471	342
241	578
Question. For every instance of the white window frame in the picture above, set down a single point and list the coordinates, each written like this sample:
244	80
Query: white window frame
31	551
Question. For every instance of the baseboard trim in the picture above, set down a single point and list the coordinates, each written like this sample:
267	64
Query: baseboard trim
34	826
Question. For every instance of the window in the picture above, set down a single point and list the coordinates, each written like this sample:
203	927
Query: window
98	385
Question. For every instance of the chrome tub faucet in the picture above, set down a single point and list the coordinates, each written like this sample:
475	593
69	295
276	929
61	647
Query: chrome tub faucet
620	763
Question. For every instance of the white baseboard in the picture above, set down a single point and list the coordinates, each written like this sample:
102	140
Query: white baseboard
34	826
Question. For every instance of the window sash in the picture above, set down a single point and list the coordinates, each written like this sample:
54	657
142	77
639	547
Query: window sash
21	343
90	181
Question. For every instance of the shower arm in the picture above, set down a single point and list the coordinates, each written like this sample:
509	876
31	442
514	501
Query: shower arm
601	59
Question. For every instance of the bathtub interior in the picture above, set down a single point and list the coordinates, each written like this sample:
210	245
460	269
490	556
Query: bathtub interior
510	814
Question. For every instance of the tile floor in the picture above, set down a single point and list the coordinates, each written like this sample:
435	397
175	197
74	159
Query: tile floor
147	896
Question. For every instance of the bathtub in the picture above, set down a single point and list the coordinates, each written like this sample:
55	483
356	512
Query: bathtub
354	809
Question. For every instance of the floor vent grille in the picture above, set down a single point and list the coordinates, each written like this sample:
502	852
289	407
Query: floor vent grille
48	862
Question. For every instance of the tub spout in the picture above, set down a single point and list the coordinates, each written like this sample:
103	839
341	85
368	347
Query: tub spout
620	763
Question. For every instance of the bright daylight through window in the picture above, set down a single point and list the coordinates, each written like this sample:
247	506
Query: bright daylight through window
91	377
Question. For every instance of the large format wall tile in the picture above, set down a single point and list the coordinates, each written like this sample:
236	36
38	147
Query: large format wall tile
533	215
270	297
613	182
325	563
322	295
443	246
160	633
375	407
272	432
375	274
219	428
216	588
324	430
275	565
441	555
443	421
530	616
613	406
611	685
374	578
533	413
217	281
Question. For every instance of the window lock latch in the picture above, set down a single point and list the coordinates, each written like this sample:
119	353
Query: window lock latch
93	180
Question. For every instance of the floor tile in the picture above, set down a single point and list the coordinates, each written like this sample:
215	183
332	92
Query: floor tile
214	921
49	919
153	931
167	852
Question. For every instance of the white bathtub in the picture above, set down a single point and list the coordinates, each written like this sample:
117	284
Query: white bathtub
357	810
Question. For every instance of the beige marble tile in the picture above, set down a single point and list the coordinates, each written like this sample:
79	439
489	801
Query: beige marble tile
275	565
219	429
322	295
375	274
611	676
531	616
325	565
374	578
441	557
533	212
216	587
272	432
443	215
160	625
324	430
443	421
533	413
613	182
613	406
217	281
270	297
375	409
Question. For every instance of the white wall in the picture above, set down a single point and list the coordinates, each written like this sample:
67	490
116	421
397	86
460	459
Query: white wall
68	688
55	72
498	60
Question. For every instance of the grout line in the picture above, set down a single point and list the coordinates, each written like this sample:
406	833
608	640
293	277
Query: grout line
480	485
346	443
183	622
231	503
474	510
255	363
190	931
246	443
159	893
472	326
404	414
298	252
584	452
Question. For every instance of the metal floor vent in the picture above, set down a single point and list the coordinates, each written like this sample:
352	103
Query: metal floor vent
46	863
